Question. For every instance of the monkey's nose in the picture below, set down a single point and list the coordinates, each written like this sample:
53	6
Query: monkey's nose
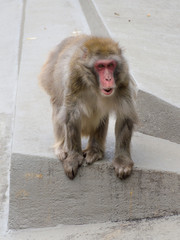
108	77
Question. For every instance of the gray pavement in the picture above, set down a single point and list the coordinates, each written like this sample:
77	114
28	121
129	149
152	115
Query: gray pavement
10	24
150	36
159	229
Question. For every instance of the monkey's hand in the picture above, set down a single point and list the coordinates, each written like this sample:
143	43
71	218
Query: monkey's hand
71	164
123	166
92	155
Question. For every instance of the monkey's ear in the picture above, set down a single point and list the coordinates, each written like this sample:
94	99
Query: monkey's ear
84	51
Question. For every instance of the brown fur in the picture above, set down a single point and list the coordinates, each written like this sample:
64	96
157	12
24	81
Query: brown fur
104	46
69	78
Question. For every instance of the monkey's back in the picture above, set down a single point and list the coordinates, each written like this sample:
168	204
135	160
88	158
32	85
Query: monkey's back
55	72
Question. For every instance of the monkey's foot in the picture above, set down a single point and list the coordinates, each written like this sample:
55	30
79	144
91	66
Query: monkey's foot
92	155
72	163
123	166
60	153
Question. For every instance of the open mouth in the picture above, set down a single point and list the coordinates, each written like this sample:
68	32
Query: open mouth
107	91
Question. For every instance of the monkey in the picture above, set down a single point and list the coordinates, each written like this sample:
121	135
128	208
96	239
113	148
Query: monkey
87	78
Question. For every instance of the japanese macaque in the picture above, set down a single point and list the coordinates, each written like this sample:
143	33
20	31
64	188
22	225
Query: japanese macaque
87	78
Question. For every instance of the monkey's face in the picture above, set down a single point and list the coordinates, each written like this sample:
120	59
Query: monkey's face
105	69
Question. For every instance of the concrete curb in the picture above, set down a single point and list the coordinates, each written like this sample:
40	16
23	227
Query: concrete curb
158	118
42	196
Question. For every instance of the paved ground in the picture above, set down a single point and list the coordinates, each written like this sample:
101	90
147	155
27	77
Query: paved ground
10	22
160	229
150	34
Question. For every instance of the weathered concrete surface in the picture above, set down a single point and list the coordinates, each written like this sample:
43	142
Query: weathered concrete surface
41	194
156	229
157	117
10	23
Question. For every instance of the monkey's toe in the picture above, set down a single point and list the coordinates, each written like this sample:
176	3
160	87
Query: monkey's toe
71	164
71	175
123	173
91	159
61	155
123	167
92	156
70	170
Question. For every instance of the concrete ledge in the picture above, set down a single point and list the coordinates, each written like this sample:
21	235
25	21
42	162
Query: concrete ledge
157	117
41	195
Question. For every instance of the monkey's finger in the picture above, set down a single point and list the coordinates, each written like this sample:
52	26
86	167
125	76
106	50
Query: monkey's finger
92	157
71	173
70	170
127	171
118	172
121	172
80	160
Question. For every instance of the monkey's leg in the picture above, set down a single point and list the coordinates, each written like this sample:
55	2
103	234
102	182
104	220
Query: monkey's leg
72	145
96	144
122	162
59	134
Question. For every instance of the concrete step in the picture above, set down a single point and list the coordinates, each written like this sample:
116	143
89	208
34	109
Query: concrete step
40	193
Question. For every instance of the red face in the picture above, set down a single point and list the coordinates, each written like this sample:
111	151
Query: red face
105	69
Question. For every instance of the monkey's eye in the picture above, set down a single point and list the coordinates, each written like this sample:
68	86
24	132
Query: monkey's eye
100	66
110	65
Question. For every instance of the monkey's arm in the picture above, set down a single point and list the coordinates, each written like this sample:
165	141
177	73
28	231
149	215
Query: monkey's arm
72	132
72	143
122	162
67	126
